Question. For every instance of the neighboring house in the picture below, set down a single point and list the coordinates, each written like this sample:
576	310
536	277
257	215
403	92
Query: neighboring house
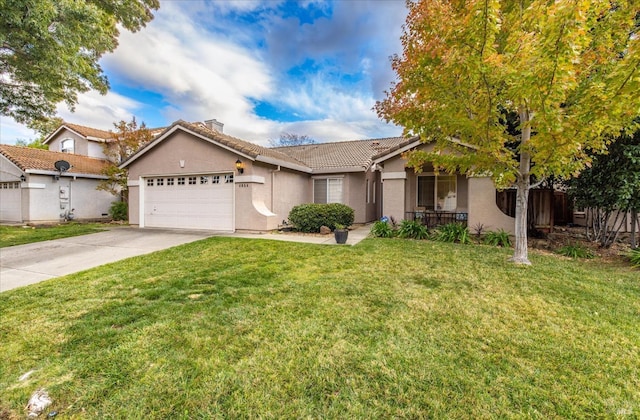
79	140
195	177
33	190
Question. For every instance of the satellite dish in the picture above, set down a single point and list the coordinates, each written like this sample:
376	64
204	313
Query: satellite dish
62	165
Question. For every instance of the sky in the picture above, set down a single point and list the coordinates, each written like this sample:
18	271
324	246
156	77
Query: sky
263	68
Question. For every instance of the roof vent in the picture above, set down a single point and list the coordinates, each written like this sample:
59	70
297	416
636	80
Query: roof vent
375	143
214	125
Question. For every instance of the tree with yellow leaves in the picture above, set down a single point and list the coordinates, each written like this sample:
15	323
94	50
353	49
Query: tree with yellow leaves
569	71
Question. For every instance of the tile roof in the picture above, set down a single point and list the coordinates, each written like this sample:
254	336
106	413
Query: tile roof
88	131
28	158
344	154
313	157
242	146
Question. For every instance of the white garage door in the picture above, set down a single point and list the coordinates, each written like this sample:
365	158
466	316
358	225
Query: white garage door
10	202
203	201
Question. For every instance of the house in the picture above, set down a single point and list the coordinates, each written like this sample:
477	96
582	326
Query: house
79	140
42	186
193	176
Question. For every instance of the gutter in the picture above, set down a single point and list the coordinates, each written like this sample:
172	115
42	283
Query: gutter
64	174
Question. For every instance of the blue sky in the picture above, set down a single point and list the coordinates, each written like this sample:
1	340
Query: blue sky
262	68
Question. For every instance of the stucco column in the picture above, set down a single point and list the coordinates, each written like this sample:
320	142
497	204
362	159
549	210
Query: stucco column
393	194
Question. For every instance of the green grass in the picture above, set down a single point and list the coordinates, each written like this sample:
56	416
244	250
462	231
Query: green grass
233	328
19	235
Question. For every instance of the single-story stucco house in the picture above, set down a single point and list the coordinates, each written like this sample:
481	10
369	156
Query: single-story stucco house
193	176
32	189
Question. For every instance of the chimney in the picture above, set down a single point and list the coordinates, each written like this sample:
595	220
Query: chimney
214	125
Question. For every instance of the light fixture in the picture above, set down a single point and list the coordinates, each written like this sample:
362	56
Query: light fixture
23	178
240	166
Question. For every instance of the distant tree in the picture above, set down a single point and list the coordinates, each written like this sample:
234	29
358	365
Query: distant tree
610	189
49	50
34	144
290	139
126	140
568	70
44	127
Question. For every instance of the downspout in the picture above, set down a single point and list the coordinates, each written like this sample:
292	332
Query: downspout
273	182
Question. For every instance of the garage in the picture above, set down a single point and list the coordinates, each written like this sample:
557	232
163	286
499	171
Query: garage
202	201
10	202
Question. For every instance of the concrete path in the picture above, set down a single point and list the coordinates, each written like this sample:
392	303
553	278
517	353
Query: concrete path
23	265
355	236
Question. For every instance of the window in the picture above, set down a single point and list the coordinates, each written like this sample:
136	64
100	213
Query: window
204	179
169	181
215	179
160	182
192	180
67	146
228	179
150	182
327	190
368	192
437	192
374	191
181	181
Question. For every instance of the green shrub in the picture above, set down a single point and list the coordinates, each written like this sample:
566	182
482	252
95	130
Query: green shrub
575	251
381	229
497	238
634	257
453	232
310	217
119	210
412	229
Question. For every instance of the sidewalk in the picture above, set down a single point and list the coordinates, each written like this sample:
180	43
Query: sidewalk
355	236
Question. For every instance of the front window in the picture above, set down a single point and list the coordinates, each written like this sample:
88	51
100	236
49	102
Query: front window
67	146
327	190
437	192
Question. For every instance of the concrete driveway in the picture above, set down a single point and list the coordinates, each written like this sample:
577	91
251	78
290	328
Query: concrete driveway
28	264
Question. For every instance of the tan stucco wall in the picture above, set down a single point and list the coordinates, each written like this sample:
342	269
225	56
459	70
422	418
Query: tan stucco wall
256	207
41	198
290	189
483	209
393	195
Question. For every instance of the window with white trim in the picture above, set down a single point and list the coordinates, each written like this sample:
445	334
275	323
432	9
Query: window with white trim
67	146
192	180
327	190
437	192
149	182
169	181
160	182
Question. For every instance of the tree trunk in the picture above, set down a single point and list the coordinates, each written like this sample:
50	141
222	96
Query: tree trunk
523	183
521	251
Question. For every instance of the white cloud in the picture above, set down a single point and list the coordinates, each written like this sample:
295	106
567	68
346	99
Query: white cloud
11	131
203	63
98	111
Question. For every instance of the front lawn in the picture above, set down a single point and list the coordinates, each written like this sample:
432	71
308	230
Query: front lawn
19	235
237	328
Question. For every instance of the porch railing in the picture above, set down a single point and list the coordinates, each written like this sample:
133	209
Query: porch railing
433	219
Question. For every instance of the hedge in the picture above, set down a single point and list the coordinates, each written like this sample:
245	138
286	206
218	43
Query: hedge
310	217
